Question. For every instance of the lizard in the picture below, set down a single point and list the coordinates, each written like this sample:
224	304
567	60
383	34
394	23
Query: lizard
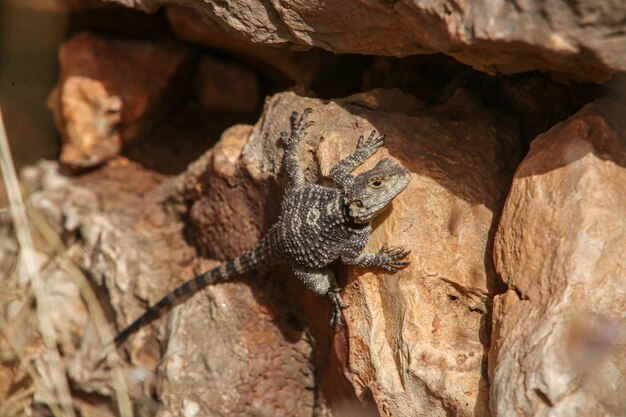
316	226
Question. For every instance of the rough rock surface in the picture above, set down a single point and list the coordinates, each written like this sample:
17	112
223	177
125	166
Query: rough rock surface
415	341
277	63
112	91
80	212
134	248
559	331
418	343
584	40
235	350
225	87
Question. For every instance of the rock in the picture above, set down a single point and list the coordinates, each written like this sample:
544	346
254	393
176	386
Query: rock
193	133
277	63
118	228
112	91
540	103
235	350
225	87
575	40
134	247
26	349
415	342
559	330
424	76
88	118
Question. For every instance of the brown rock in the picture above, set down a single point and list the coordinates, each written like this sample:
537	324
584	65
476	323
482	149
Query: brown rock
88	118
276	62
234	350
112	91
415	341
580	40
225	87
120	232
539	102
56	206
559	330
259	365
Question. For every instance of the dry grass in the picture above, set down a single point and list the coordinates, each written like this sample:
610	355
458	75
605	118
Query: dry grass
19	285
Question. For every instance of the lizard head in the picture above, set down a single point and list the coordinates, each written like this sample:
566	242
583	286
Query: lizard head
373	190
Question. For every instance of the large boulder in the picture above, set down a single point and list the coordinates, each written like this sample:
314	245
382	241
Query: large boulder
416	341
559	330
580	40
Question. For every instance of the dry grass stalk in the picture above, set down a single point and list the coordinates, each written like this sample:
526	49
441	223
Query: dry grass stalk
54	380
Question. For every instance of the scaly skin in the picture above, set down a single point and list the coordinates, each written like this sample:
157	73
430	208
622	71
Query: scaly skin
317	225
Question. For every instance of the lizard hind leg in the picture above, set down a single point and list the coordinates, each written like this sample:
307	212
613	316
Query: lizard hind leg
323	282
338	305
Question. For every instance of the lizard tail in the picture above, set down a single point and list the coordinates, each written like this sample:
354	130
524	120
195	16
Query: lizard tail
249	261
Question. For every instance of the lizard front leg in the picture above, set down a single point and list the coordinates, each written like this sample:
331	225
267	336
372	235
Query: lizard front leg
291	162
389	259
365	148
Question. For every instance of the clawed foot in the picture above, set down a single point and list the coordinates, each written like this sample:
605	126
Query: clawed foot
372	143
390	258
298	128
338	305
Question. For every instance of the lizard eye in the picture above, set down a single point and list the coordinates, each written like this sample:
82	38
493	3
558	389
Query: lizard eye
358	203
376	183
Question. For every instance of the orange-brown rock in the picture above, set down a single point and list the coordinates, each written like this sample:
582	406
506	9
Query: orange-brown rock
132	246
278	63
581	40
236	349
225	87
559	331
112	91
415	342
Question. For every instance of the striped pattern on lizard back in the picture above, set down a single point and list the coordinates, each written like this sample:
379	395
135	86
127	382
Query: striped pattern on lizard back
313	227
